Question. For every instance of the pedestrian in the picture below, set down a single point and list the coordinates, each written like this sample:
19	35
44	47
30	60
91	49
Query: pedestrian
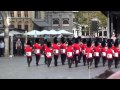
84	46
43	48
28	50
110	53
103	52
63	48
116	53
56	49
76	48
2	45
89	54
70	54
37	48
48	52
97	52
18	47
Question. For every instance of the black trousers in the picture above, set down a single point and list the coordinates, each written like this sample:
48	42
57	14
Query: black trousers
76	58
29	60
84	59
89	62
80	56
96	60
63	58
18	51
104	60
55	59
48	61
45	59
110	62
70	61
37	59
1	51
116	62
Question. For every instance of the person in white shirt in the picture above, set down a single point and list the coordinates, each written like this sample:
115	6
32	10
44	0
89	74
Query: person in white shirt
2	48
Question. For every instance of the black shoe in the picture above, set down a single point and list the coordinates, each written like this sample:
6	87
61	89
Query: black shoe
28	65
37	64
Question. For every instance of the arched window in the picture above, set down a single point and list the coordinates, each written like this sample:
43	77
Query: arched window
26	13
19	13
12	13
26	26
19	25
65	21
56	21
12	24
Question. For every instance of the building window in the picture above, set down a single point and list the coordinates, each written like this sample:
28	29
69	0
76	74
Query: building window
105	33
19	13
66	21
19	26
56	21
12	24
36	14
26	13
26	26
12	13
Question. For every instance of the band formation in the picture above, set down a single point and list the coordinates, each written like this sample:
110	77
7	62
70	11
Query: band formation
74	51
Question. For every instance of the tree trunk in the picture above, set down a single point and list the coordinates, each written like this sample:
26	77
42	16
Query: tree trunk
6	40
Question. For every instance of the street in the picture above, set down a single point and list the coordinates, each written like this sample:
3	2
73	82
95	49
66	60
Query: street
16	68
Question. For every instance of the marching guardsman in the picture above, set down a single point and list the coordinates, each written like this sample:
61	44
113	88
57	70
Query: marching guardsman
63	48
116	53
80	44
110	53
56	49
97	52
103	52
48	53
76	48
28	51
70	54
89	54
37	48
84	46
43	48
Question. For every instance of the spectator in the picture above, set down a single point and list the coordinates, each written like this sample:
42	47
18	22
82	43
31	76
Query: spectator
2	48
18	47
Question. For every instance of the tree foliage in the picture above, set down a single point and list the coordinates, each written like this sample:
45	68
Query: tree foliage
84	17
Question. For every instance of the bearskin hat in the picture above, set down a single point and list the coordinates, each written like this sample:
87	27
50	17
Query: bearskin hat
48	44
84	41
89	44
55	40
69	43
76	40
36	40
96	43
109	44
103	43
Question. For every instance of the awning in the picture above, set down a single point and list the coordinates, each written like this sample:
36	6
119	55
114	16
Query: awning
41	23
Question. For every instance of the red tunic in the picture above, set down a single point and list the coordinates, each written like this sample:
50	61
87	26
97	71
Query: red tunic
116	52
76	48
104	50
97	51
110	54
55	48
70	52
89	53
48	52
84	46
63	48
37	48
28	51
